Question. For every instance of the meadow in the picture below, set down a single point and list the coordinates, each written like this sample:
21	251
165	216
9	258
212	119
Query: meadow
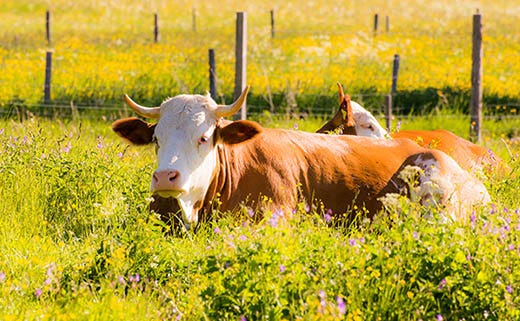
102	49
77	243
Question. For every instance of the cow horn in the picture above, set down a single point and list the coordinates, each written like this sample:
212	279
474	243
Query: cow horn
341	94
147	112
228	110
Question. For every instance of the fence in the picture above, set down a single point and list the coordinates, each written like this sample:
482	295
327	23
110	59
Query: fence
240	74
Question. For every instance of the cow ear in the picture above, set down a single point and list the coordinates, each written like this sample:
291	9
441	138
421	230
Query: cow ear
134	130
238	131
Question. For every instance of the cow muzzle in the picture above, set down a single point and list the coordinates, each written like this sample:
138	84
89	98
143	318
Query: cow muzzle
166	183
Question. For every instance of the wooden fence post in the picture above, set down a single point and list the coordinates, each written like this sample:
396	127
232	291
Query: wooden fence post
241	59
388	112
156	28
376	23
48	73
476	80
212	75
395	72
387	20
272	24
48	26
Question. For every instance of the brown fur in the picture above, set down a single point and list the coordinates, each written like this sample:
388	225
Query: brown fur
467	154
290	166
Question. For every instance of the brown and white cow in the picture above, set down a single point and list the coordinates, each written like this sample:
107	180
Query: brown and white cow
200	158
356	120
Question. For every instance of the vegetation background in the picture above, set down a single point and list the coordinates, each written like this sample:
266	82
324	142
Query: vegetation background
102	49
78	243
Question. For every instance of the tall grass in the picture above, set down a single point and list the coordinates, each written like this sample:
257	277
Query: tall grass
77	242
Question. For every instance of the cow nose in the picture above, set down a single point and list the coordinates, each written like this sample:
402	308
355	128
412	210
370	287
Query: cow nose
166	180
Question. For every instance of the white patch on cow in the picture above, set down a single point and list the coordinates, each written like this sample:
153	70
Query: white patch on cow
184	120
366	124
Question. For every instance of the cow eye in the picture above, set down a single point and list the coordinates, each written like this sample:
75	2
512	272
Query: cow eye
203	139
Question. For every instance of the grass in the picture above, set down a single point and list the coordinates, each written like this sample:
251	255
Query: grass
77	242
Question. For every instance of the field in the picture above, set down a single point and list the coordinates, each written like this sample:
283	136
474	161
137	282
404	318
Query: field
103	49
77	241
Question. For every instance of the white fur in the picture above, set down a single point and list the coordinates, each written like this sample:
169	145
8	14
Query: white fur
184	119
366	124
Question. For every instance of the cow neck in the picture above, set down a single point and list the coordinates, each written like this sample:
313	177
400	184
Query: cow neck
218	181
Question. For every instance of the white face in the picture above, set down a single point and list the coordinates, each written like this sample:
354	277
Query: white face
185	152
366	124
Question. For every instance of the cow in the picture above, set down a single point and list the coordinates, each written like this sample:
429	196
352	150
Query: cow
356	120
202	158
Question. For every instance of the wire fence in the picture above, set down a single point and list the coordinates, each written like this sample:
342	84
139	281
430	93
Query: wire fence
189	74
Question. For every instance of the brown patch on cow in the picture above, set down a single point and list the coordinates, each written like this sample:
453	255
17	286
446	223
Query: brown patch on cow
464	152
342	123
238	132
134	130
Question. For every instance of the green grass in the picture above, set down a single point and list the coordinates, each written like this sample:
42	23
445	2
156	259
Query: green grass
77	242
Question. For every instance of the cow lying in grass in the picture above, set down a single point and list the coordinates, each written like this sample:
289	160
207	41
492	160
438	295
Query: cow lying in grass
200	158
353	119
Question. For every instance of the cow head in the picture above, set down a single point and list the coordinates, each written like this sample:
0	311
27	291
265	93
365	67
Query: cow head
364	122
185	139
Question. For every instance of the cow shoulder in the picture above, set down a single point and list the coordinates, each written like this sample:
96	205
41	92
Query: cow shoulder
134	130
238	131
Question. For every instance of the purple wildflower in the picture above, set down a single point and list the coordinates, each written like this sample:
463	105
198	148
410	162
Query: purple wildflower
342	307
273	221
509	289
134	278
473	219
328	216
121	280
38	292
322	295
442	284
67	148
242	237
511	247
307	208
295	126
282	268
2	277
250	212
100	145
415	235
120	154
352	242
493	209
216	230
1	131
49	270
242	318
227	264
439	317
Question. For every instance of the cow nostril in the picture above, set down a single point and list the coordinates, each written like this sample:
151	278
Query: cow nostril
173	175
